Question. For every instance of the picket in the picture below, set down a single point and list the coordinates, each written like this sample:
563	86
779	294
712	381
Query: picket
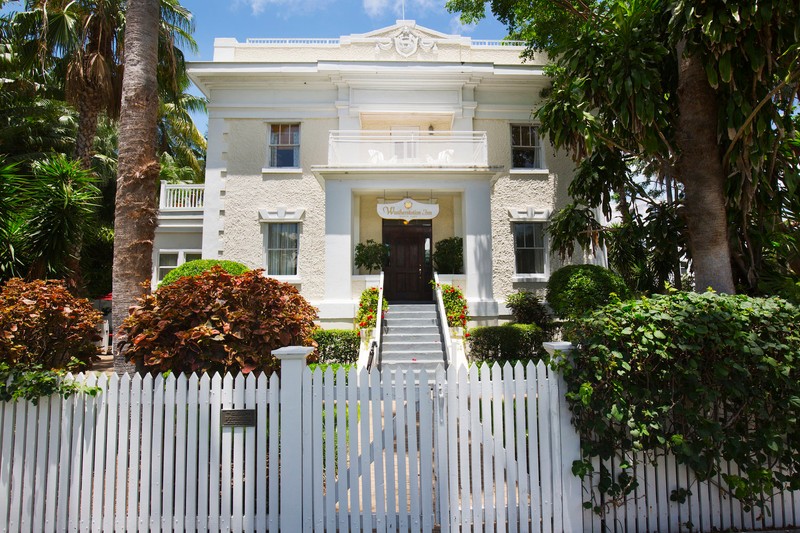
465	449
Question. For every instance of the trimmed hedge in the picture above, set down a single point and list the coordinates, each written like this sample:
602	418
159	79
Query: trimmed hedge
43	326
576	290
197	267
336	345
509	342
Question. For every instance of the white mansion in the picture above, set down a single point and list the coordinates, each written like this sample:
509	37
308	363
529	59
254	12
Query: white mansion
403	135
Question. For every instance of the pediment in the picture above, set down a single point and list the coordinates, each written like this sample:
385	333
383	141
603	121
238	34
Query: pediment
390	32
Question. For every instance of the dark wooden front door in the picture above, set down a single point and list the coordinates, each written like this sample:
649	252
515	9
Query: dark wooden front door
408	274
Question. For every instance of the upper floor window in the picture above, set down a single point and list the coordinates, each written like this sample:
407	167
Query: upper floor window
284	145
526	149
529	249
281	248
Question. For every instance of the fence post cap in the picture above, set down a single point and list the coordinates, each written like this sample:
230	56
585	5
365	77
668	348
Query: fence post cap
558	346
292	353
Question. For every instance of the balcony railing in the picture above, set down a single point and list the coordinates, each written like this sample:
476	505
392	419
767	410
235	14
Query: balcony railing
368	148
181	196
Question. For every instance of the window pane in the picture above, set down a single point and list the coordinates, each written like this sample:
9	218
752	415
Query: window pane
529	247
192	256
515	136
282	249
168	259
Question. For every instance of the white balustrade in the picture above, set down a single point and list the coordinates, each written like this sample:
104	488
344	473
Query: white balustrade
367	148
181	196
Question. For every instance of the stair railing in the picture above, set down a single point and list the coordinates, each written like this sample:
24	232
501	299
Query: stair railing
444	328
375	349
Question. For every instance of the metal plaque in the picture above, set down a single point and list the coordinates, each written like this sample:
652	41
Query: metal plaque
238	417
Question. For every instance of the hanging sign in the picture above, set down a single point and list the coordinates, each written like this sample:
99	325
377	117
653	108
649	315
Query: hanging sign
408	209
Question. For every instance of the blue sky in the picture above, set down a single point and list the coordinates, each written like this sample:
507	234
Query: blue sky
320	18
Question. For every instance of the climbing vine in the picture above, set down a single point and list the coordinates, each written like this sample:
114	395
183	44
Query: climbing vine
708	378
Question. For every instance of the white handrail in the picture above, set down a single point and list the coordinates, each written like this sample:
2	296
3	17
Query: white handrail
379	320
443	320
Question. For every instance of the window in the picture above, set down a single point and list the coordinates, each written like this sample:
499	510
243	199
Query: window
170	260
281	248
284	145
529	251
526	150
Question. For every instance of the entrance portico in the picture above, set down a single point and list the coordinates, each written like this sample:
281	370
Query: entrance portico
465	195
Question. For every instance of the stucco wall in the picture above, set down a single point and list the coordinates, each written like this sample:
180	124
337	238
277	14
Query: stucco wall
248	189
541	190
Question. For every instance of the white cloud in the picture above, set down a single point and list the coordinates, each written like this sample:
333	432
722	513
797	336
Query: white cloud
376	8
282	6
459	28
413	8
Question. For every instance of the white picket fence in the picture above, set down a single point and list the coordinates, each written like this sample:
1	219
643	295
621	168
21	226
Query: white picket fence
465	450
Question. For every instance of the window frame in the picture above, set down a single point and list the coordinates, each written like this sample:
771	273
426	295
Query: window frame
543	248
538	147
181	252
265	226
272	157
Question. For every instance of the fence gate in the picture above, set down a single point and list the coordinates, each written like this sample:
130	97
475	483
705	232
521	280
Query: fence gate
412	451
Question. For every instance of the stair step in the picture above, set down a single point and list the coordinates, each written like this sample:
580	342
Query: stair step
412	307
411	357
411	321
410	314
404	346
411	338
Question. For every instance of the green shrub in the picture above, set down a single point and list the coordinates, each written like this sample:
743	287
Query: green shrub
371	255
336	345
527	309
509	342
43	326
448	256
712	378
579	289
197	267
217	322
367	315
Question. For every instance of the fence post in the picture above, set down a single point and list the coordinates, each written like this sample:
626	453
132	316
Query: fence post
293	361
572	493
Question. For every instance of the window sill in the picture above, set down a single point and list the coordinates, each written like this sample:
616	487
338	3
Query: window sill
282	170
530	171
518	278
294	280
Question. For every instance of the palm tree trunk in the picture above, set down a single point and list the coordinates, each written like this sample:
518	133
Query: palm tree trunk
88	113
700	169
135	213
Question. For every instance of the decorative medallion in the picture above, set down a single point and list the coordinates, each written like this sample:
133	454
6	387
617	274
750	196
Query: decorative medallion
407	42
408	209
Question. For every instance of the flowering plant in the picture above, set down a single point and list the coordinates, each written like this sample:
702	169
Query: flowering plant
367	315
455	306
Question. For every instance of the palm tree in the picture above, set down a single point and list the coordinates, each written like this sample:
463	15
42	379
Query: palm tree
135	213
80	40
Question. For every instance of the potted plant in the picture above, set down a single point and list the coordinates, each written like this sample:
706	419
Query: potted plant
371	255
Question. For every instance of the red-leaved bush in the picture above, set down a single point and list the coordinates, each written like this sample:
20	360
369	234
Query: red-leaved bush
41	323
216	322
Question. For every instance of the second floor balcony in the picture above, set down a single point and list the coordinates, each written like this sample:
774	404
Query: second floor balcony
181	197
434	149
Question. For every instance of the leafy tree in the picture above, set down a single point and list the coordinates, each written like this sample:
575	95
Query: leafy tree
80	41
702	93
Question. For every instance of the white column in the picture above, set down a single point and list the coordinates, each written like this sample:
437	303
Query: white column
478	249
214	185
338	250
293	361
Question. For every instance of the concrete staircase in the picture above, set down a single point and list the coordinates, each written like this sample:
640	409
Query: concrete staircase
411	340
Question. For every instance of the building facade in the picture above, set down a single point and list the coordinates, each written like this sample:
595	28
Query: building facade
403	136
